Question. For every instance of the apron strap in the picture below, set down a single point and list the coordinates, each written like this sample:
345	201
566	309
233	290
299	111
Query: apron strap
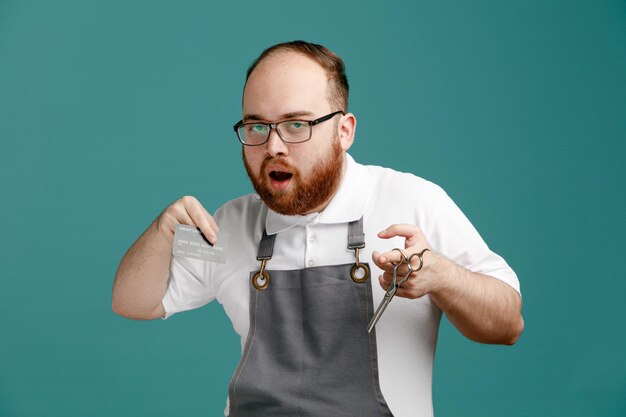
261	279
356	240
356	237
266	247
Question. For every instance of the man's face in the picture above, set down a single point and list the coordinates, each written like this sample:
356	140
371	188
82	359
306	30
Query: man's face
295	178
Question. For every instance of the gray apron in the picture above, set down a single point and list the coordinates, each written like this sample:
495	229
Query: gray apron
308	352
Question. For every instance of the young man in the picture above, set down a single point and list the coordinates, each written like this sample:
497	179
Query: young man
296	284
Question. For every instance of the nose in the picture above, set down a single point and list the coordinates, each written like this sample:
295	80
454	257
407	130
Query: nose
275	145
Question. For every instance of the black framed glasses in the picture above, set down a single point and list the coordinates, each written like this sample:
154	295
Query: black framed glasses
290	131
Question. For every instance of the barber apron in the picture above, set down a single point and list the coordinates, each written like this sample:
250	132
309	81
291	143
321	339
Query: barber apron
308	352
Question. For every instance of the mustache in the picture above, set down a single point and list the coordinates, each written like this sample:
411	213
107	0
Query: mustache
280	162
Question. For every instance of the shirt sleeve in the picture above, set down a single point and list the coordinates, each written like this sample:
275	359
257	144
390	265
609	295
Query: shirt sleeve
454	236
188	286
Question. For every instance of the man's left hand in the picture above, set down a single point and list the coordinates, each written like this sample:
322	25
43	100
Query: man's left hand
419	283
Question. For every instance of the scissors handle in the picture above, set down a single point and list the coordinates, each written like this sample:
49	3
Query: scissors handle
395	283
420	256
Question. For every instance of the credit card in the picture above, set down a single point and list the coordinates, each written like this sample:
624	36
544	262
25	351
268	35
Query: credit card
191	243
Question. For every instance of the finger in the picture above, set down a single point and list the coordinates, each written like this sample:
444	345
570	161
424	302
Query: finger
412	288
171	216
203	220
212	222
394	255
411	233
382	263
411	293
403	293
207	222
384	284
181	216
387	277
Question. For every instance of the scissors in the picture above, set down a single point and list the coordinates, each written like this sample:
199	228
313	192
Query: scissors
395	283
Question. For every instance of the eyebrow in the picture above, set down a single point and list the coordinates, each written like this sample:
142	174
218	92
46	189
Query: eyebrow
285	116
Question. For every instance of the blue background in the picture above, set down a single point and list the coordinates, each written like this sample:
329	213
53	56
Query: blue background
111	110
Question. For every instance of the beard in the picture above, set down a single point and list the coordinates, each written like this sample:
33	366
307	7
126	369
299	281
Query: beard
305	194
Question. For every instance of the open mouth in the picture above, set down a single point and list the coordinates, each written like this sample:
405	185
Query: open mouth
280	179
280	175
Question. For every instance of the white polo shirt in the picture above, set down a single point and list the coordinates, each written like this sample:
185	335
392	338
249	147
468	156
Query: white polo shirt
408	329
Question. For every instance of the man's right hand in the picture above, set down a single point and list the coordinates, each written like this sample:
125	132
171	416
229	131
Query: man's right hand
141	279
189	211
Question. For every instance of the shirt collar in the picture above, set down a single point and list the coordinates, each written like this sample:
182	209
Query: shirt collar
348	203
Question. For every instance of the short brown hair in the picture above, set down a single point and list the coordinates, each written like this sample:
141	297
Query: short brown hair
331	62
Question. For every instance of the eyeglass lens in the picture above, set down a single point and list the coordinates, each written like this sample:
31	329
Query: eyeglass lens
289	131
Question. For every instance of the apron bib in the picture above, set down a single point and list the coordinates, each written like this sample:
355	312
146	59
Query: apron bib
308	352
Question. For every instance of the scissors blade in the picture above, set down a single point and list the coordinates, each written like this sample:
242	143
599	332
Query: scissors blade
381	309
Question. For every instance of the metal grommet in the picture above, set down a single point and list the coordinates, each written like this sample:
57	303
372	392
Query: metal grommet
260	280
360	267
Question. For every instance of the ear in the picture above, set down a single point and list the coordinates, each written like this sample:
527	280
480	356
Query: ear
347	128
